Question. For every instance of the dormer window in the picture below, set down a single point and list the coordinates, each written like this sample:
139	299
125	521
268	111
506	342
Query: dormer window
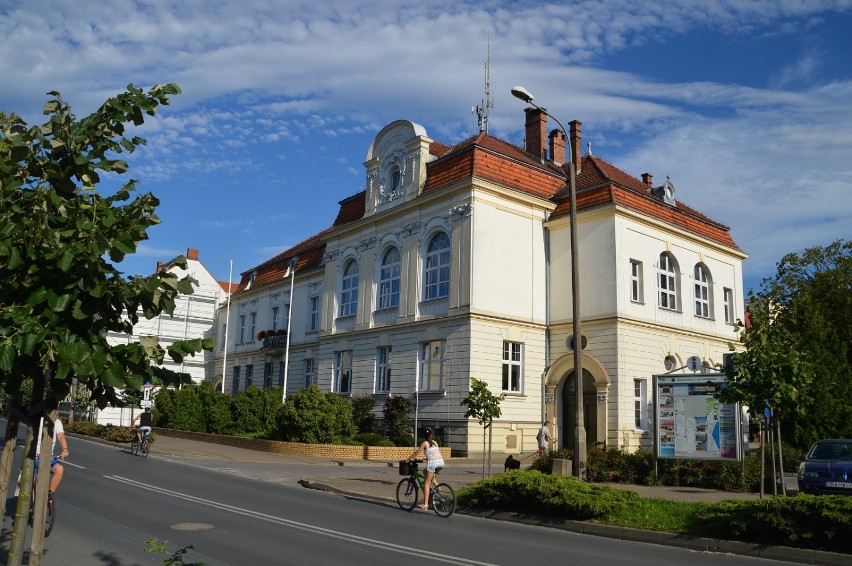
395	178
666	192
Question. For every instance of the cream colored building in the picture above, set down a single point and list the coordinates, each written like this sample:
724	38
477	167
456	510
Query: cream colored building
454	262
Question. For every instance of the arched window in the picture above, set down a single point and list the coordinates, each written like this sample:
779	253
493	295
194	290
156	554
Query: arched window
667	277
349	290
702	291
436	282
388	295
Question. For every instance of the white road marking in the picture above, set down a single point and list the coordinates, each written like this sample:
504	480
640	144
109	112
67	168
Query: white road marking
302	526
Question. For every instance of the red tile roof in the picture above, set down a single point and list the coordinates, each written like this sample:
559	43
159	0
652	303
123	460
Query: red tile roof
599	183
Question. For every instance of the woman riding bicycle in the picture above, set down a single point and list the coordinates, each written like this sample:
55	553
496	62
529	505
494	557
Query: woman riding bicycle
434	460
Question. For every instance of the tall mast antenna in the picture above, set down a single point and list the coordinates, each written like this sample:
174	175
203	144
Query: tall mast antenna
488	102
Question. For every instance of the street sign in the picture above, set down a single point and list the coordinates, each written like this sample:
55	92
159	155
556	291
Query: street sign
694	363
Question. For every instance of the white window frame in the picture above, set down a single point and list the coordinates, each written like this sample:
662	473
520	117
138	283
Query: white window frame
281	365
249	375
268	372
349	289
342	378
728	298
383	369
313	313
513	367
252	326
273	317
432	365
667	282
224	341
641	410
241	329
310	372
637	292
701	294
436	267
389	280
235	380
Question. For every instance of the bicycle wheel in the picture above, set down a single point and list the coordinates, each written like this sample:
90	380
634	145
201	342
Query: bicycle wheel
146	447
406	494
50	516
134	445
443	499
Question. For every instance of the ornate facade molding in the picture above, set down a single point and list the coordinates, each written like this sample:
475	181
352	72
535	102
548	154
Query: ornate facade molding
366	244
330	255
460	212
410	229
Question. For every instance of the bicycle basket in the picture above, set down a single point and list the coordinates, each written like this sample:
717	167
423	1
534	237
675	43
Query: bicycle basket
404	468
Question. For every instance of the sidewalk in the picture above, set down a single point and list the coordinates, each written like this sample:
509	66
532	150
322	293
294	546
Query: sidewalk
378	480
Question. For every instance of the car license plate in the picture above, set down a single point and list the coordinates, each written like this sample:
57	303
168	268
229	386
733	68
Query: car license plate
843	484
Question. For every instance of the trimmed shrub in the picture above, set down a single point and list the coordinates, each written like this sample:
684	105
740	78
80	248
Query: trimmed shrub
535	492
315	417
362	412
819	522
372	439
398	429
88	428
116	433
544	464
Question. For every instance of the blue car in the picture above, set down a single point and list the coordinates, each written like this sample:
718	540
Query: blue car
827	468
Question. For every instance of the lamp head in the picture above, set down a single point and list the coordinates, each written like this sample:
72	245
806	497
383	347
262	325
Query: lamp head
522	93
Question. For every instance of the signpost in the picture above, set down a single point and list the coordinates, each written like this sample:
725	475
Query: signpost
691	423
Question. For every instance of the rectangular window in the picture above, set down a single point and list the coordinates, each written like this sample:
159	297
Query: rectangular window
343	371
235	383
383	369
640	404
729	305
313	314
636	291
249	375
273	318
310	377
280	374
267	374
432	365
512	367
252	329
224	340
241	330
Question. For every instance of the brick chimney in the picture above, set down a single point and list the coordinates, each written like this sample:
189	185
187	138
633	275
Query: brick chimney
648	179
575	129
557	147
192	253
536	133
159	266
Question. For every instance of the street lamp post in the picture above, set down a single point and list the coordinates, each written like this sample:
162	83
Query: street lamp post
577	341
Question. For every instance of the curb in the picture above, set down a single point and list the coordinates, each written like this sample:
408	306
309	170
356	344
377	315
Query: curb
702	544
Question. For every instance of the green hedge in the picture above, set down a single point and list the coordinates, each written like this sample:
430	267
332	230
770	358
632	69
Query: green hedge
107	432
535	492
819	522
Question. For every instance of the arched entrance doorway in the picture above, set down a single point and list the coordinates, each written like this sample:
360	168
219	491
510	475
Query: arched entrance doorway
568	416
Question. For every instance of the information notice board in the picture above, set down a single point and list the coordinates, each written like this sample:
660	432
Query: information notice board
691	423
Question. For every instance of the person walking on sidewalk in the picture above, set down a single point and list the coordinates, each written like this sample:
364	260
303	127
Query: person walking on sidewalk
544	439
434	461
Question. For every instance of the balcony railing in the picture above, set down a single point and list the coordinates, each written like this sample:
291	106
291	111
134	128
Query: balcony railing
275	341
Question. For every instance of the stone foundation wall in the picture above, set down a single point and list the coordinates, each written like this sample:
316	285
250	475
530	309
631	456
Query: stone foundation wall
332	451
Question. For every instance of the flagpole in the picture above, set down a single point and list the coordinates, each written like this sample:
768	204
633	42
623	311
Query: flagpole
227	320
289	318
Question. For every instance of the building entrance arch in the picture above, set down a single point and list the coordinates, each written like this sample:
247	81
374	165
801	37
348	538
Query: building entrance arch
561	400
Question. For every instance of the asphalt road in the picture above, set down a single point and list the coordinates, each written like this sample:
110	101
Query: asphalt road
111	502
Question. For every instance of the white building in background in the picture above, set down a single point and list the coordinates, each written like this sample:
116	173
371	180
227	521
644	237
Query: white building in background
193	317
454	262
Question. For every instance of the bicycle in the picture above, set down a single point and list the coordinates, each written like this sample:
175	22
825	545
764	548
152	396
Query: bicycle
144	446
442	498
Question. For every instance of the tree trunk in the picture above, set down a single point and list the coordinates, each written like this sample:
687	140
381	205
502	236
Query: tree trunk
8	451
781	460
25	494
490	441
73	401
483	450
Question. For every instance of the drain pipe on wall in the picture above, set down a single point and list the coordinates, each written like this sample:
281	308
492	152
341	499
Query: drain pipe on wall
546	322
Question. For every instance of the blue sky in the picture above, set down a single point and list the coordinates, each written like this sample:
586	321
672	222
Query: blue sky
746	105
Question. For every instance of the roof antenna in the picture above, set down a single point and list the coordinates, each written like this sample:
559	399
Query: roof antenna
488	102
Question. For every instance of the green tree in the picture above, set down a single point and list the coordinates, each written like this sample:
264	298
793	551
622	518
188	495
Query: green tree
60	245
396	411
315	417
484	406
362	412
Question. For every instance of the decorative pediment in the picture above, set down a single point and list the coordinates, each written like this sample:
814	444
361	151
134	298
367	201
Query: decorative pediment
666	192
